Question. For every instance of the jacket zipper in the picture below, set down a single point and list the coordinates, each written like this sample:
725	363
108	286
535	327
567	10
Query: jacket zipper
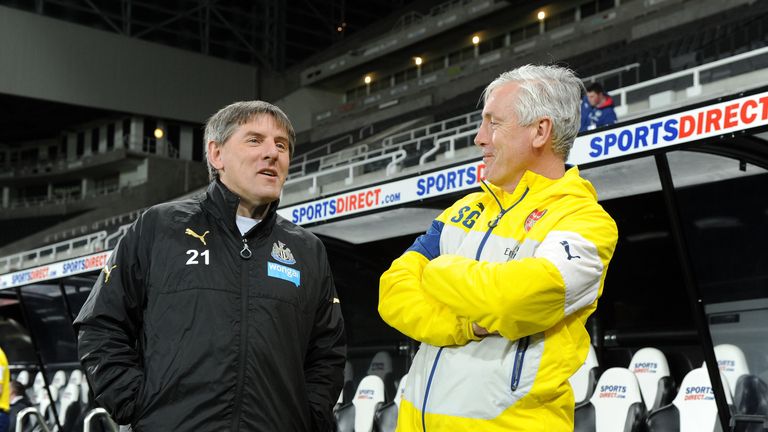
426	393
491	225
494	223
517	367
245	254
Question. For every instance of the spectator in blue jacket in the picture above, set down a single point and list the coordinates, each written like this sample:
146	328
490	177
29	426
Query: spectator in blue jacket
596	109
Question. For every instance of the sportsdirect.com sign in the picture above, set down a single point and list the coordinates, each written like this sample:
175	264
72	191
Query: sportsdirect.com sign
708	121
412	189
55	270
705	122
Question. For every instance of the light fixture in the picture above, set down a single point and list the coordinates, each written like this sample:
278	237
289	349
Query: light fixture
475	39
159	133
541	15
418	61
367	79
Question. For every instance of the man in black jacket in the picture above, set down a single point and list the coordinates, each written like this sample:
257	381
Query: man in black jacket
19	402
215	313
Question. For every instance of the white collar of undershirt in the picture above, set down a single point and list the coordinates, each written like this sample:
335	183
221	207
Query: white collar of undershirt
244	224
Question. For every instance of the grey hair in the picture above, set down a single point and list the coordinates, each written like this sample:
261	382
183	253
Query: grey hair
553	92
220	127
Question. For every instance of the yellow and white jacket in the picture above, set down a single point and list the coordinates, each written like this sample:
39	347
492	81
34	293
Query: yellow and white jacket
527	265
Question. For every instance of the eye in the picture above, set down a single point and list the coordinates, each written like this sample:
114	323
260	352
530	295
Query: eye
281	145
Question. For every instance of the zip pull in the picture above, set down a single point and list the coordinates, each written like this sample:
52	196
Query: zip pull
246	253
495	221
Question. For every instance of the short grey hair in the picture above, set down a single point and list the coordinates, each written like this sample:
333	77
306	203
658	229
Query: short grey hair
220	127
553	92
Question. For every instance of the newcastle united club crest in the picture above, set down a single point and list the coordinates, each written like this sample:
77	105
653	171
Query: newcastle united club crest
282	253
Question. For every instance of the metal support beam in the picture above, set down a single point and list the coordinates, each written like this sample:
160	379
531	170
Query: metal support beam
697	303
39	355
125	9
101	14
168	21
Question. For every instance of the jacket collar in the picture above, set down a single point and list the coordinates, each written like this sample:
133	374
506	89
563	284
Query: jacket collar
532	184
223	203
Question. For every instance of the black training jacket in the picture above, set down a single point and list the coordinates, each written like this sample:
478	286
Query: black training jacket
186	331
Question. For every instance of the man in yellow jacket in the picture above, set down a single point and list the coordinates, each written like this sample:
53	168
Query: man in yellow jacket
5	392
499	288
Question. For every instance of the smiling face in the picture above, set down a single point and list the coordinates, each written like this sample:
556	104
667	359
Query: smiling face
253	162
508	149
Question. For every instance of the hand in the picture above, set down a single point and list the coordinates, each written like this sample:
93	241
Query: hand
479	331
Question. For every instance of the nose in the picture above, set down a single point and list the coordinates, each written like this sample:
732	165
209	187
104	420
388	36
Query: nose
481	138
271	151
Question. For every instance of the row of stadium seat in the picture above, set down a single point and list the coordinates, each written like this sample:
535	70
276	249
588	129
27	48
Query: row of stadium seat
644	396
68	396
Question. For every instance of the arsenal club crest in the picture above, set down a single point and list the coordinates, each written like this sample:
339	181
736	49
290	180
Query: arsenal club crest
534	217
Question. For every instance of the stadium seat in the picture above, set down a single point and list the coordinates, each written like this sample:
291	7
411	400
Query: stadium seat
616	405
68	405
23	378
584	380
732	363
76	378
381	366
693	409
84	388
386	416
58	382
652	371
358	416
38	386
750	393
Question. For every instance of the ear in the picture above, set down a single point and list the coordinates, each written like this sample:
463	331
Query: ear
214	155
542	133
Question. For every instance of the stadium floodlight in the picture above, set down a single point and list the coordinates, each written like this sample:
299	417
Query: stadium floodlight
367	80
475	40
418	61
159	133
541	15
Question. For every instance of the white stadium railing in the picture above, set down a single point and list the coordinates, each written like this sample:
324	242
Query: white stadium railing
89	243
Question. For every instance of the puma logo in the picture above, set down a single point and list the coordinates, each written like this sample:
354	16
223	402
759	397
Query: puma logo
197	236
568	251
108	271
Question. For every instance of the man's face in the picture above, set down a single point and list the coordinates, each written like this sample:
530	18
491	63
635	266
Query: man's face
507	147
253	162
593	98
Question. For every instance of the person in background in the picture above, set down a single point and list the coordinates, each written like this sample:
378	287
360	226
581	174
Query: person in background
19	402
597	109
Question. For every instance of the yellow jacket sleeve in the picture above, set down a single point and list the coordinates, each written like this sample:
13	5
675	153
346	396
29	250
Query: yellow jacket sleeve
404	305
520	298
